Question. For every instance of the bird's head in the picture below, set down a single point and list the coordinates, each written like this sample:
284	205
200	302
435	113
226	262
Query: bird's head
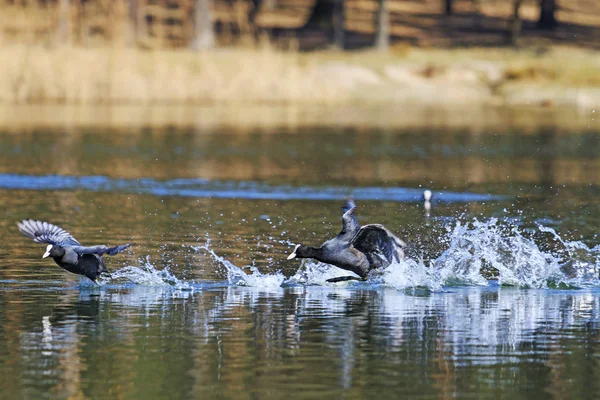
301	251
293	255
53	251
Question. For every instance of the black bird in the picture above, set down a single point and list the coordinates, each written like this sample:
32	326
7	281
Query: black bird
355	248
66	251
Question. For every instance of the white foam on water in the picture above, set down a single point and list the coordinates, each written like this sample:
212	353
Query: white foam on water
147	274
312	272
476	251
409	273
236	276
480	248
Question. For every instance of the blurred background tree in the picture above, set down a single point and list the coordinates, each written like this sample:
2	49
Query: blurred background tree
547	14
312	24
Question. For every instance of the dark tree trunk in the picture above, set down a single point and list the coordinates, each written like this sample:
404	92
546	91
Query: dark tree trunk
448	7
515	24
547	18
204	35
382	36
338	24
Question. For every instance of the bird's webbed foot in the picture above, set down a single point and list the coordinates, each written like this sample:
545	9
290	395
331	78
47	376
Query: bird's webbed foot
344	279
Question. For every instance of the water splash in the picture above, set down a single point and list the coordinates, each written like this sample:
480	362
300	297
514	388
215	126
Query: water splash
238	277
477	252
147	274
581	263
408	273
411	273
316	273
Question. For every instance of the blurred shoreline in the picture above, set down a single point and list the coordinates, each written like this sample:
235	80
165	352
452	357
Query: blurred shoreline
271	118
551	77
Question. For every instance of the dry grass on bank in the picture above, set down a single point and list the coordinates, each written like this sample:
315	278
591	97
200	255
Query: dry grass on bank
75	75
100	68
108	75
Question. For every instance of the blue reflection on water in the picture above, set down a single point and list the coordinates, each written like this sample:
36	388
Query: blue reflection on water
198	187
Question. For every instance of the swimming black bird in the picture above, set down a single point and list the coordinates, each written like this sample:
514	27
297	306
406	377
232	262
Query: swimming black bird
355	248
66	251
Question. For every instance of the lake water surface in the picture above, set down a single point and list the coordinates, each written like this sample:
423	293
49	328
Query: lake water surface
499	297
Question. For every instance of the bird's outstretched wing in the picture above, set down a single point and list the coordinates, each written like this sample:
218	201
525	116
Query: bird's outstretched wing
100	250
350	225
376	241
44	232
348	205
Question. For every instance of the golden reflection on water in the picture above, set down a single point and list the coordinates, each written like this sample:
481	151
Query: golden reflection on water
437	148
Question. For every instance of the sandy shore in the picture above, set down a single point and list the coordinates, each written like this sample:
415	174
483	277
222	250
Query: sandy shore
270	118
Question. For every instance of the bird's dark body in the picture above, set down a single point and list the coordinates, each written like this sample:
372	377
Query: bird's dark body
89	265
355	248
345	256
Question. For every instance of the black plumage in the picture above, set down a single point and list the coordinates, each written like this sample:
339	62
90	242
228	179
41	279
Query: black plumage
355	248
66	251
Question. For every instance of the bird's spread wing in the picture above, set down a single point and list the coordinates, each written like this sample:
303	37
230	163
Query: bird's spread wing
375	241
350	224
348	205
43	232
100	250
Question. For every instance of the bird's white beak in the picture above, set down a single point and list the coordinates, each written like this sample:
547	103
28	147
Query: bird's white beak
293	255
47	253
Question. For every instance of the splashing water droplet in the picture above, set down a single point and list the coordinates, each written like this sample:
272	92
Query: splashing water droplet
475	253
237	277
147	274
